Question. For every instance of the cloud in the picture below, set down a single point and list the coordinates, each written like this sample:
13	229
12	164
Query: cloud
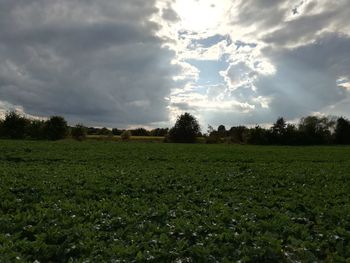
282	58
137	62
95	62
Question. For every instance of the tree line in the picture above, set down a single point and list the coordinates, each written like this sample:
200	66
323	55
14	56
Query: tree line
17	126
311	130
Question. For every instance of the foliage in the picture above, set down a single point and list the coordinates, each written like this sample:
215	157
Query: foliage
159	132
105	131
342	131
36	129
14	126
185	130
316	130
257	135
117	132
126	135
140	132
56	128
222	131
238	134
78	132
108	202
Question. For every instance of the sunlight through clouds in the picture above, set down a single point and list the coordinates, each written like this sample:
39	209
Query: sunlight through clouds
251	44
201	16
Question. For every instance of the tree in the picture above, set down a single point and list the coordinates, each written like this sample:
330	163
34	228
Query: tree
126	135
105	131
79	132
238	134
139	132
257	135
56	128
1	128
212	136
159	132
14	126
222	131
279	127
278	131
316	130
185	129
116	131
36	129
342	131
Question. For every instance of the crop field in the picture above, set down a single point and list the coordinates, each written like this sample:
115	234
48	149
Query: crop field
99	201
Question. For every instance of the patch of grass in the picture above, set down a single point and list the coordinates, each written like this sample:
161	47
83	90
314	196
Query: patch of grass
132	138
104	201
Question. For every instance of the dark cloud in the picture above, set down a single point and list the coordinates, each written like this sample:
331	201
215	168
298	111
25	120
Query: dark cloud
170	14
98	62
306	77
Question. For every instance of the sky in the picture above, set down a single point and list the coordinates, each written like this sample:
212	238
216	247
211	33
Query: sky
137	63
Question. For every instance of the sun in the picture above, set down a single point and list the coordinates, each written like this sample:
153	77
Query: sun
200	15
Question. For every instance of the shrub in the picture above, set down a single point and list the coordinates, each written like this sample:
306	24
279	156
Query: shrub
56	128
79	132
212	138
36	129
116	131
342	131
185	130
126	135
105	131
14	126
140	132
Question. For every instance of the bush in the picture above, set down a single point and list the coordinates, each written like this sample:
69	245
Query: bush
140	132
105	131
257	135
212	138
14	126
342	131
185	130
36	129
162	132
56	128
1	128
116	131
126	135
79	132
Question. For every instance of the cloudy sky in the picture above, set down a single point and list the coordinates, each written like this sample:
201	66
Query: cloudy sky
134	63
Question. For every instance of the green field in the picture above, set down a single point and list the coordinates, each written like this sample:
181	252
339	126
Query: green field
101	201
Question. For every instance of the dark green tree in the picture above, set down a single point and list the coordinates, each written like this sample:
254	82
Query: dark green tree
342	131
238	134
139	132
185	130
14	126
277	132
257	135
79	132
105	131
316	130
56	128
36	129
159	132
222	131
116	131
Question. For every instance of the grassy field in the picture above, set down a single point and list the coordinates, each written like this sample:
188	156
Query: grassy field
101	201
117	138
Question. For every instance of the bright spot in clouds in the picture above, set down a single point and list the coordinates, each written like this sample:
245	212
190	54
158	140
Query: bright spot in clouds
201	15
